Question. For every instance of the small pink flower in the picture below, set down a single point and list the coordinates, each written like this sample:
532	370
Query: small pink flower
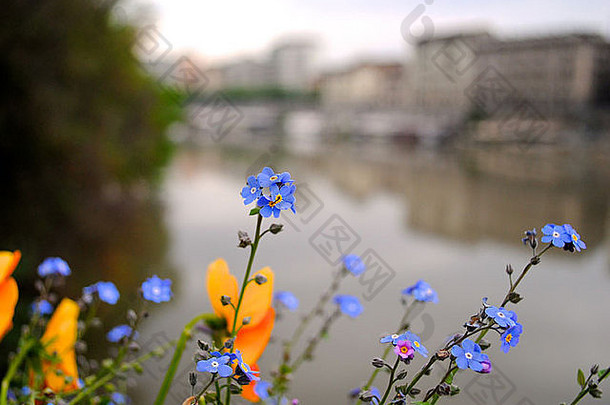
404	349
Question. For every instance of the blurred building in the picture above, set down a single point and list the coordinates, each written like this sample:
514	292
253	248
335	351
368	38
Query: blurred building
245	73
556	75
291	64
442	70
364	86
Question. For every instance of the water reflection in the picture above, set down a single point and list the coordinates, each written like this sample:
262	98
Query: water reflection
454	219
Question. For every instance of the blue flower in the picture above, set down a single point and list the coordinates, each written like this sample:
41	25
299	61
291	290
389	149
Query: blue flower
252	191
575	240
354	264
54	265
261	389
216	365
422	291
157	290
267	177
469	355
244	370
287	299
42	307
501	316
394	338
555	234
349	305
118	399
106	291
281	199
510	337
119	332
415	342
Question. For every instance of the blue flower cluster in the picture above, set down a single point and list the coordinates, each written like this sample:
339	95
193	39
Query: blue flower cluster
469	355
354	264
157	290
54	266
508	321
106	291
349	305
42	307
221	364
411	338
272	192
287	299
563	236
120	332
263	389
422	292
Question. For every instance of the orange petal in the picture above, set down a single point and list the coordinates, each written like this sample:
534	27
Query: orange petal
59	338
221	282
247	391
8	262
9	293
252	341
257	300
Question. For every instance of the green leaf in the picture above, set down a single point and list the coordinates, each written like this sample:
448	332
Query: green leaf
600	373
421	403
580	378
255	211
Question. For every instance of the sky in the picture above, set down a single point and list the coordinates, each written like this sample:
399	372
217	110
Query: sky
348	30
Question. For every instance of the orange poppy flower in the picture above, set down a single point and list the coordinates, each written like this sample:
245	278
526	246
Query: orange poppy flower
9	292
59	338
252	338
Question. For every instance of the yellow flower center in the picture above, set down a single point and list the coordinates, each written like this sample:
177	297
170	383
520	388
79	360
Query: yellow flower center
416	344
273	178
574	238
404	349
508	338
277	200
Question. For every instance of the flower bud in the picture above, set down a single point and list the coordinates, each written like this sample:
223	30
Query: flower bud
514	297
229	344
205	346
246	320
244	239
192	379
225	300
509	269
414	391
377	362
442	354
260	279
595	369
276	228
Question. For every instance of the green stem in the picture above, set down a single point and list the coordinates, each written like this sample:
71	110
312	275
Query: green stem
108	377
253	248
173	365
6	381
218	392
585	391
390	381
505	301
402	326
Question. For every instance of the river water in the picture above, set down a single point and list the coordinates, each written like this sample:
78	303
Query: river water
453	219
